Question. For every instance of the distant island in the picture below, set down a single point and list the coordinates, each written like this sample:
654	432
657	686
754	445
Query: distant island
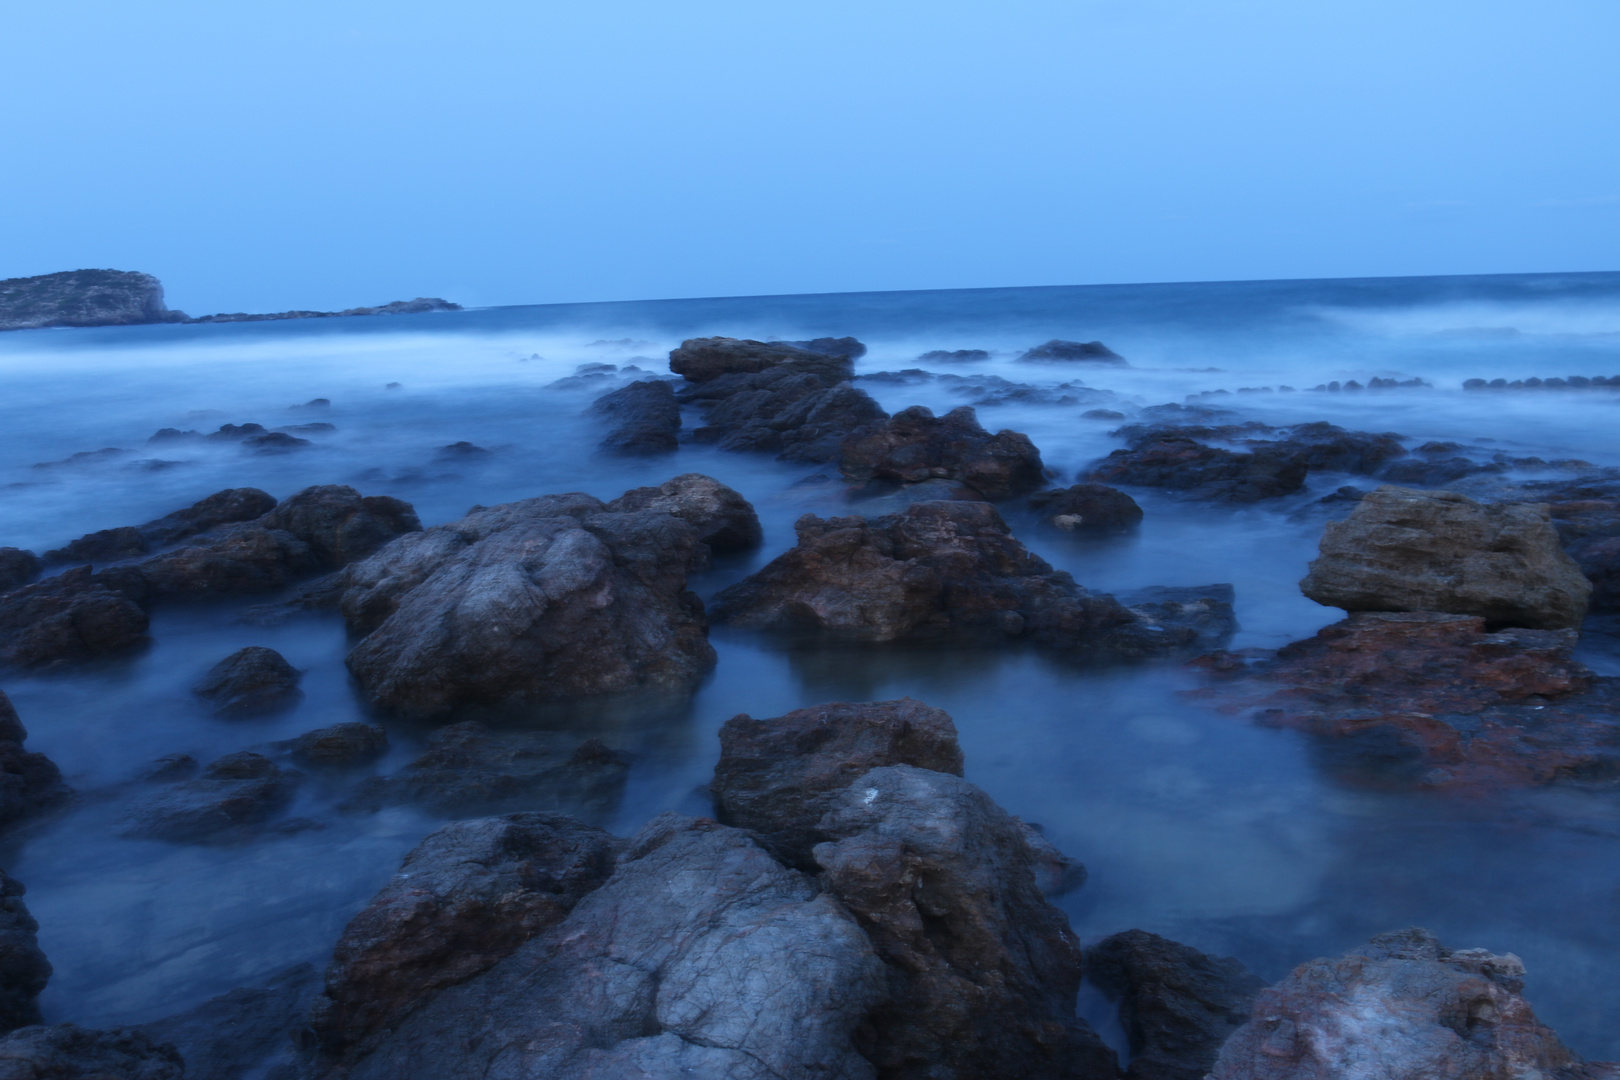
131	298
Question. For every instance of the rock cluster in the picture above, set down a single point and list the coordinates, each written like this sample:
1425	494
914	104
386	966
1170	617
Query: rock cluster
915	446
645	416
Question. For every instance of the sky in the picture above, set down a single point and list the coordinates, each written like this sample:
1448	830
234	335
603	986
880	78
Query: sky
264	156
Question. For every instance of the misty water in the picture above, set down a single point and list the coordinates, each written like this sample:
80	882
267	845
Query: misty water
1193	824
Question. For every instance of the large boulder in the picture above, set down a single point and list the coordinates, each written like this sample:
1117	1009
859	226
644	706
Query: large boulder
700	956
942	570
233	797
1401	1007
914	446
645	416
701	360
554	597
1408	550
72	617
30	782
70	1052
463	900
254	681
1087	509
780	775
24	970
1176	1004
83	298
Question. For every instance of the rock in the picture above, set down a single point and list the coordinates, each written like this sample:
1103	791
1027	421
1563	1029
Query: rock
221	508
462	451
246	1032
17	567
936	570
168	768
1200	615
464	899
351	743
1408	550
647	419
1327	447
233	795
700	956
1087	508
107	545
254	681
829	346
1433	700
1401	1007
70	618
30	782
235	432
1056	874
1087	352
420	306
275	442
798	408
1588	524
24	970
1176	1004
70	1052
953	356
339	524
549	598
914	445
983	973
778	777
1203	472
83	298
468	768
702	360
1102	414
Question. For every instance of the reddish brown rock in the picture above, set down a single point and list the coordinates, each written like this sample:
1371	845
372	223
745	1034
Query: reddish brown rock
701	360
914	446
1087	508
254	681
72	617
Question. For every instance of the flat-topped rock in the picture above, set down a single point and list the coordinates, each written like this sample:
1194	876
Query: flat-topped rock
83	298
914	446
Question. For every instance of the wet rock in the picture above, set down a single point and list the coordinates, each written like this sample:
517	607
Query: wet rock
778	776
17	567
1085	352
168	768
1056	874
1434	472
914	445
1408	550
70	618
829	346
954	356
555	597
339	524
30	782
1318	446
107	545
221	508
936	570
1203	472
982	971
316	428
254	681
464	899
70	1052
83	298
1402	1007
1201	615
701	956
1176	1004
701	360
24	970
1587	518
235	432
463	451
351	743
172	435
249	1032
469	768
1087	508
275	442
1102	414
646	419
232	796
421	305
86	457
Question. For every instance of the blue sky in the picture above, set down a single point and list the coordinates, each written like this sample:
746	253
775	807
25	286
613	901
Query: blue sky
261	156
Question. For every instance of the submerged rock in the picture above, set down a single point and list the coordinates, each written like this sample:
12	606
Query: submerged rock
234	794
72	617
1178	1006
646	419
70	1052
1086	352
1401	1007
1407	550
830	346
249	1032
954	356
24	971
17	567
915	446
253	681
1087	508
83	298
30	782
341	745
1203	472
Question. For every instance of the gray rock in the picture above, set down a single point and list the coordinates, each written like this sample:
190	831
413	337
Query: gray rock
1087	509
30	782
1408	550
646	419
351	743
254	681
914	445
250	1033
221	508
72	617
24	970
234	795
83	298
70	1052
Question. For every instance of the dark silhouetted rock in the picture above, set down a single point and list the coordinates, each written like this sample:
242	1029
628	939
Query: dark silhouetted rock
70	1052
982	972
170	767
247	1032
831	346
235	432
250	682
30	782
700	957
221	508
1102	414
778	777
1085	352
1588	524
350	743
463	451
339	524
1407	550
107	545
646	419
24	970
463	900
17	567
468	768
555	597
702	360
1401	1007
1087	508
420	306
1056	874
233	795
954	356
1201	615
275	442
83	298
72	617
1176	1004
914	445
1203	472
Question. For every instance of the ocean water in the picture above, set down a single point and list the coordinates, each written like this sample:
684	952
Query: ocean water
1195	825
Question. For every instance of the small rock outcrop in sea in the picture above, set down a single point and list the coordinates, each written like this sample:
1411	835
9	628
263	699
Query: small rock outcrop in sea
70	1052
464	899
1203	472
1572	382
1087	509
221	508
1401	1007
771	398
468	768
914	446
1178	1006
254	681
340	746
937	570
24	971
255	1031
83	298
646	419
233	796
954	356
420	306
1082	352
831	346
30	782
1407	550
554	597
17	567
